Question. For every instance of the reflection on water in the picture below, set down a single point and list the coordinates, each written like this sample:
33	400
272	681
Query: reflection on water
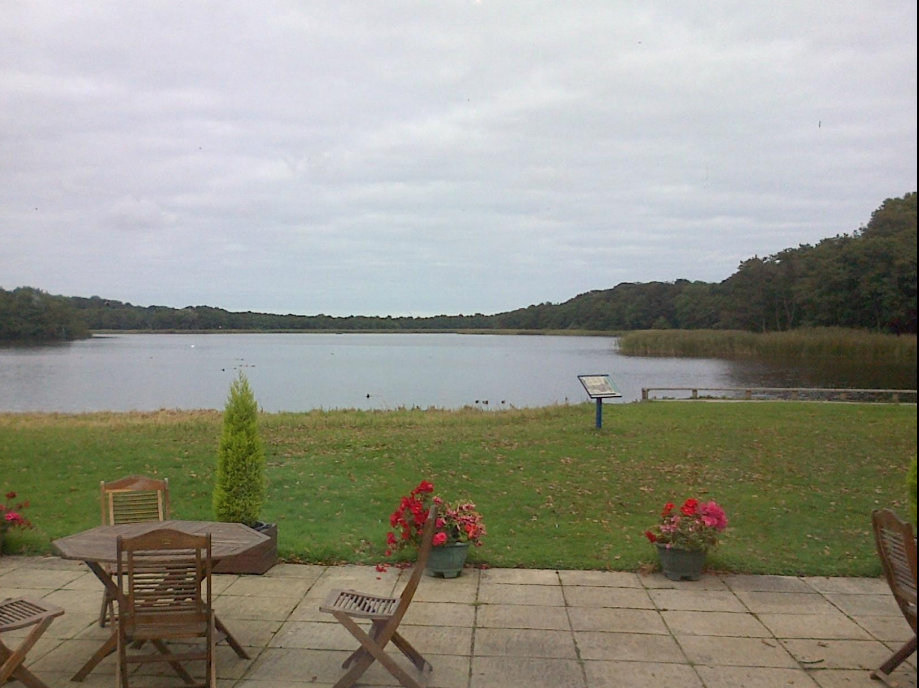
297	372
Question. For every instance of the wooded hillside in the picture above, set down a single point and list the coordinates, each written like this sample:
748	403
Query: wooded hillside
866	279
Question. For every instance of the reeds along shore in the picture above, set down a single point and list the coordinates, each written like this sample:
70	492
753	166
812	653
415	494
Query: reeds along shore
830	342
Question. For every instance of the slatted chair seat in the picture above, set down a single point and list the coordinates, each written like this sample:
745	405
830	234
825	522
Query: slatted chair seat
385	615
134	499
361	605
17	613
896	545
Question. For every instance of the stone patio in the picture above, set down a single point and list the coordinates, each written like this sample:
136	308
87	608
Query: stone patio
510	628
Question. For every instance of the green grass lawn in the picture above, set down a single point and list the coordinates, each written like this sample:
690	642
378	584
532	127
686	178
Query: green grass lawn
798	480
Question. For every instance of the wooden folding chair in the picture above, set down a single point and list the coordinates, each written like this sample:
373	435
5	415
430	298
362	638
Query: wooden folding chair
23	612
897	549
160	579
385	615
131	500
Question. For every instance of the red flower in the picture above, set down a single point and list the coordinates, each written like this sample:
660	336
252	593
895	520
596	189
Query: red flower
651	536
390	538
440	539
689	507
424	486
11	495
668	507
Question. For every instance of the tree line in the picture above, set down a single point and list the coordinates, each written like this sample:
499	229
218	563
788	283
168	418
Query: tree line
866	279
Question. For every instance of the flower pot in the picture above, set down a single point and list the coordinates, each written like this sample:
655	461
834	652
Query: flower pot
681	564
256	560
447	560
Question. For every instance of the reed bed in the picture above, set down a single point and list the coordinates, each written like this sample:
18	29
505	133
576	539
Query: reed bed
804	343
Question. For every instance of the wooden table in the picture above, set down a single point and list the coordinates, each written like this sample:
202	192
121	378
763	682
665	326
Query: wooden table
98	547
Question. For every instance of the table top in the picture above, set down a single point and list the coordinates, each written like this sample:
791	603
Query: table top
99	544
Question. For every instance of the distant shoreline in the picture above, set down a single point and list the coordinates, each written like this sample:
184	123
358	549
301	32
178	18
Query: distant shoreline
556	333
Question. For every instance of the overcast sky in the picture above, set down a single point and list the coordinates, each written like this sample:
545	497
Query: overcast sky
439	156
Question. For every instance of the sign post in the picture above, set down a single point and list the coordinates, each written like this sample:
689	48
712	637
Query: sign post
599	387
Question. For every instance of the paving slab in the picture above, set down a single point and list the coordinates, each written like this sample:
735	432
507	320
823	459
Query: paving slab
767	583
715	624
498	672
658	580
596	596
617	620
886	628
698	600
256	586
521	616
838	654
612	579
518	642
865	605
748	652
754	677
848	586
640	675
521	576
820	626
785	603
505	593
850	678
441	614
629	647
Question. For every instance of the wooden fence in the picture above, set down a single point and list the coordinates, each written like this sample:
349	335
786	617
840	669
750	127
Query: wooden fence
792	393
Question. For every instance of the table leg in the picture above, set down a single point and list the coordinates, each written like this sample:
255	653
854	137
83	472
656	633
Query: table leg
109	646
231	641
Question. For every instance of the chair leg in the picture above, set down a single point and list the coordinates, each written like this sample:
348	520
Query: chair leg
360	652
104	612
375	652
12	660
896	659
176	666
406	647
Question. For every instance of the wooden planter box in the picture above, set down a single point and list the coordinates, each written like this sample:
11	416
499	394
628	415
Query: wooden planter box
256	560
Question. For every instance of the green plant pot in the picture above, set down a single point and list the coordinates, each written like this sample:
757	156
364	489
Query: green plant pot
447	560
681	564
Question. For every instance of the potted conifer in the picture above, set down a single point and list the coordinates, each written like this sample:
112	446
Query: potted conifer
240	488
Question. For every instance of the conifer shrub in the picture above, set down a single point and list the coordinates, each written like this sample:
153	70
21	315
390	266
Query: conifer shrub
240	488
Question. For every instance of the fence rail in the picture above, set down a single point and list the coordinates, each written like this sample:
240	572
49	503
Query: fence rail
793	393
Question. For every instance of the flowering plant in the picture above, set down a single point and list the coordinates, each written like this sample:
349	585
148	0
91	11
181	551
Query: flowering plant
11	514
457	522
694	526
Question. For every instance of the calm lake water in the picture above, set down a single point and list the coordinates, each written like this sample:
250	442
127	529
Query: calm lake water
296	372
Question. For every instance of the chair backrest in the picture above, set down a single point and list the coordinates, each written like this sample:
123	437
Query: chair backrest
897	549
134	499
424	551
160	576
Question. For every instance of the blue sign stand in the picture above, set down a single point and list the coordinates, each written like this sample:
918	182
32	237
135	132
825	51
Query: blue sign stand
599	387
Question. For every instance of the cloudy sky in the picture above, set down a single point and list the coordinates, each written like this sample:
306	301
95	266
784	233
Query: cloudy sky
437	156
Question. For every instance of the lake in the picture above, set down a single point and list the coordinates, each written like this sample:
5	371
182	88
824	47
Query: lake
298	372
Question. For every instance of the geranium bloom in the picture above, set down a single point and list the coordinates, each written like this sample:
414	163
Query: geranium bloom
440	539
689	507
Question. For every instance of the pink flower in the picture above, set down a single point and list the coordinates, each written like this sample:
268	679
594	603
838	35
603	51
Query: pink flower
440	539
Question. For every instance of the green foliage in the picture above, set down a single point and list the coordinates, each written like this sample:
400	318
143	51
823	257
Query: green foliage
240	486
31	315
911	489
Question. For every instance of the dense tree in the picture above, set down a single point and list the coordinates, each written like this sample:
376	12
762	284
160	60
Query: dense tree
31	315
